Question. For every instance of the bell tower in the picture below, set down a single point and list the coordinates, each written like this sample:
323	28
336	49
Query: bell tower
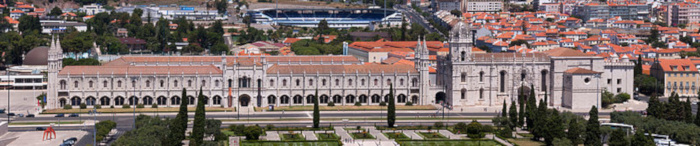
461	43
55	64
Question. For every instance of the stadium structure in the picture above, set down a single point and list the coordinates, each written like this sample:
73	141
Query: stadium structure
337	18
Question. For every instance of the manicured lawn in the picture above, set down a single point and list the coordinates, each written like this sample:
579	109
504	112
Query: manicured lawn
396	136
361	135
45	123
349	108
327	136
524	142
528	135
290	143
138	110
432	135
293	137
449	143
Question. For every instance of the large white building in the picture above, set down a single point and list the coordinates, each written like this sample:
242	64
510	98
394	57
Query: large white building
570	78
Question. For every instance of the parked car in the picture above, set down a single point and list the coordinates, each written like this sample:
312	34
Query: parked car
20	115
71	140
30	116
10	114
40	128
60	115
2	111
73	115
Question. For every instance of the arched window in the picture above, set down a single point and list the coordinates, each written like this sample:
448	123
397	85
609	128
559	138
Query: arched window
388	81
175	83
481	93
463	93
544	80
216	83
204	83
133	83
284	82
522	76
272	83
63	84
311	82
463	55
119	83
362	82
376	82
297	82
401	82
230	81
104	83
76	84
503	81
162	83
349	82
148	83
337	82
324	82
90	84
481	76
414	82
463	77
189	83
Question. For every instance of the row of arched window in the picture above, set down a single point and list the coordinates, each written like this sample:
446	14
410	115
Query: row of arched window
75	101
106	84
337	82
502	79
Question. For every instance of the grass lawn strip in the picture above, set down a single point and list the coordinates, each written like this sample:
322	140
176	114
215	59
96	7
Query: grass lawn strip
396	136
138	110
524	142
449	143
289	143
293	137
327	136
349	108
432	135
360	135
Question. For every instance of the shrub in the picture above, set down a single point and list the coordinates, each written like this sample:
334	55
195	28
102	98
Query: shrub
139	106
67	106
409	103
269	126
382	103
97	106
83	106
126	106
438	125
111	106
252	132
622	97
154	106
474	130
505	132
487	128
358	104
461	127
331	104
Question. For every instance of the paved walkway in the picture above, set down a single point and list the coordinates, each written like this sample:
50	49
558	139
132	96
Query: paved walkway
344	135
413	135
494	137
272	135
449	134
309	135
377	134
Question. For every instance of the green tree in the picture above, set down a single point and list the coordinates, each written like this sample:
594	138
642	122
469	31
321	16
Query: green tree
531	109
622	97
640	139
521	114
217	27
199	119
391	110
593	129
555	128
638	66
618	138
456	13
688	111
697	115
655	107
180	122
317	114
607	98
541	116
29	23
562	141
162	34
504	112
55	12
574	132
513	114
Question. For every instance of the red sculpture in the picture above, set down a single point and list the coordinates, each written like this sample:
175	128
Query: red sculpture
47	133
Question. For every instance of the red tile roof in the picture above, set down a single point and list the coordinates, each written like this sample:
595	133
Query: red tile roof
138	70
579	70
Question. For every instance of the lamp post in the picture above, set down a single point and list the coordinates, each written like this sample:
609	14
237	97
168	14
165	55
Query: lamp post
597	76
134	101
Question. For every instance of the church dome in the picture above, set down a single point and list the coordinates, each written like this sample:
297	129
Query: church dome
37	56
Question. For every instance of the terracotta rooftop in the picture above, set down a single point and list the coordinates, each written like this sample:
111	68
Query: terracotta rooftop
674	65
579	70
138	70
565	52
195	60
340	69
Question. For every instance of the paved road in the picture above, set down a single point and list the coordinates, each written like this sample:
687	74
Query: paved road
416	18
